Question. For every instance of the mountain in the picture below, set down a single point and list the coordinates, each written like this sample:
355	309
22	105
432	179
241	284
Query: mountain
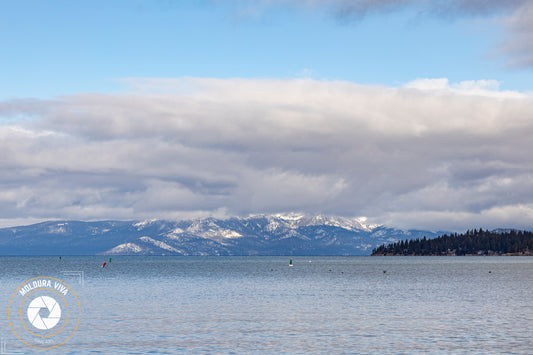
290	234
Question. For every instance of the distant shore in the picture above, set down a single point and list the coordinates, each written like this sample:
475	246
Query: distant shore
472	243
487	253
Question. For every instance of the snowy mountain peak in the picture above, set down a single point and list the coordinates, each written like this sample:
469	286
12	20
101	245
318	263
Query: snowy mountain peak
290	216
366	226
126	248
144	224
296	220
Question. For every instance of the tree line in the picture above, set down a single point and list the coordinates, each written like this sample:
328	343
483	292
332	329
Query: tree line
473	242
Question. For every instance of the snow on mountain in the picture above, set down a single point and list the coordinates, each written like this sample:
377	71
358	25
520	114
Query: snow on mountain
345	223
289	217
160	244
143	224
227	233
209	229
58	228
295	220
124	249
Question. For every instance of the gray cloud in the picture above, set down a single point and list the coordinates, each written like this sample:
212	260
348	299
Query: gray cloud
515	16
519	42
438	7
431	154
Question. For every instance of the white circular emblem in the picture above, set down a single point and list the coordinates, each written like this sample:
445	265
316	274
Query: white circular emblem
53	312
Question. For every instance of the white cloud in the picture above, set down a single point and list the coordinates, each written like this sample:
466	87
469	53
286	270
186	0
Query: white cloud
487	88
431	153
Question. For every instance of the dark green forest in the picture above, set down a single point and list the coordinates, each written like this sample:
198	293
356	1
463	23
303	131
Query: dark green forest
473	242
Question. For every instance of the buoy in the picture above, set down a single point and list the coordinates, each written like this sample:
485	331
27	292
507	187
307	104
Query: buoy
109	259
103	265
290	262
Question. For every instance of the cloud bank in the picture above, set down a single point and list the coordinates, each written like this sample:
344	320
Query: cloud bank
431	154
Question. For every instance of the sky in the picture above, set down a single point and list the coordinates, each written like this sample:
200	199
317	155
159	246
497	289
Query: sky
412	113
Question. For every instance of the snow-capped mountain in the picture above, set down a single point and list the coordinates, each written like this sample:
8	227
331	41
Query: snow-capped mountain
280	234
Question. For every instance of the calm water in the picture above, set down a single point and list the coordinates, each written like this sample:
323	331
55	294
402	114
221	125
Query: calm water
259	305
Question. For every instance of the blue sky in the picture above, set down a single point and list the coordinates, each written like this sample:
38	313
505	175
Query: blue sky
57	48
412	113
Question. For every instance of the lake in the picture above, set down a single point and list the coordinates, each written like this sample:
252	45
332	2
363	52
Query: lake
260	305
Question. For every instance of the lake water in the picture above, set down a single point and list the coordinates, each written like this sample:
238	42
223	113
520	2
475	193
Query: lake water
260	305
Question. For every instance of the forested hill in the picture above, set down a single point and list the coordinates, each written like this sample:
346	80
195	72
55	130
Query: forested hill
474	242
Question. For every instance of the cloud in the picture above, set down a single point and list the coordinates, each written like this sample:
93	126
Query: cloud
519	41
432	153
486	88
514	16
361	7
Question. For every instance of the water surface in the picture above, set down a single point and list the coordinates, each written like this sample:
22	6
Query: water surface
260	305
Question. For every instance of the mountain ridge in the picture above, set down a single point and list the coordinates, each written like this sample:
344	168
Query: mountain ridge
277	234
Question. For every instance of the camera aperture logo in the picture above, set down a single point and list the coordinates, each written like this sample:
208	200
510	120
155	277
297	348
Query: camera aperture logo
44	312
